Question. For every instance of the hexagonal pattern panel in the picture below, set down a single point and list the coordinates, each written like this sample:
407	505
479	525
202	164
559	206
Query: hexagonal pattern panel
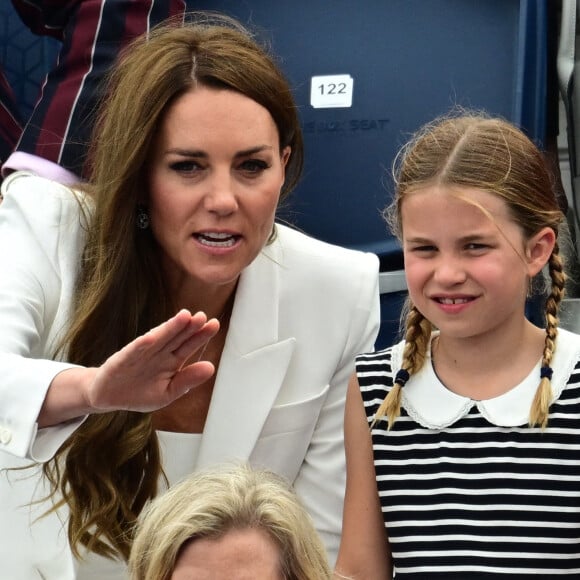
25	57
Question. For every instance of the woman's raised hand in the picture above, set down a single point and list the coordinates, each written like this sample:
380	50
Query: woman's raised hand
149	373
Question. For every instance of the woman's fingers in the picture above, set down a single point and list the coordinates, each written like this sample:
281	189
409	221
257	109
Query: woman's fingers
188	378
149	373
180	328
181	335
166	336
197	341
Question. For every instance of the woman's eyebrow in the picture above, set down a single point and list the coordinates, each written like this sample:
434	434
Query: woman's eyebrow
254	150
203	154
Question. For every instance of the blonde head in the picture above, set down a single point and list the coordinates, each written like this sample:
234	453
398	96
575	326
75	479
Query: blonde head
211	503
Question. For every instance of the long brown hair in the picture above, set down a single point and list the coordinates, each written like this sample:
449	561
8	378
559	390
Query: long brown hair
111	466
490	154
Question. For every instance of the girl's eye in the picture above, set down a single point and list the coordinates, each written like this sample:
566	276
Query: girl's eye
474	247
254	166
423	249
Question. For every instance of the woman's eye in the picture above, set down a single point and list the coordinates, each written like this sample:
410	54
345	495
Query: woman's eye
185	166
253	166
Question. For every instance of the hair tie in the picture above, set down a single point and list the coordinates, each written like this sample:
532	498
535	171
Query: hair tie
402	377
546	372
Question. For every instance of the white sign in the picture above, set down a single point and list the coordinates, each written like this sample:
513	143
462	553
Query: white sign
331	91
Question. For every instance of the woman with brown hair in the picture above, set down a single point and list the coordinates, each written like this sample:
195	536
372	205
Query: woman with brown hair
172	242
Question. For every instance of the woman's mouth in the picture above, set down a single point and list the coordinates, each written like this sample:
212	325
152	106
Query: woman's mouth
216	240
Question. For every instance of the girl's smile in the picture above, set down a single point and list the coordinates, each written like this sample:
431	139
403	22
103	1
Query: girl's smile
453	304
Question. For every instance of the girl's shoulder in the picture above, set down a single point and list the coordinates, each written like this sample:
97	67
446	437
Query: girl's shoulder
376	370
390	358
566	360
569	339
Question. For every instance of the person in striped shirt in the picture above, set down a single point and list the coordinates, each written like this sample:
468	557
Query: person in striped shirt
463	440
53	142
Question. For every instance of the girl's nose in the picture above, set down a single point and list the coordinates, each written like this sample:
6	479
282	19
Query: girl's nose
449	271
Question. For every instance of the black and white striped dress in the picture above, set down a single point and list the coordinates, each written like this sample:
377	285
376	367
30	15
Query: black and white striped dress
468	490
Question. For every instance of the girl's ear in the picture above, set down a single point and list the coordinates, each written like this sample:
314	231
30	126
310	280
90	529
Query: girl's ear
539	249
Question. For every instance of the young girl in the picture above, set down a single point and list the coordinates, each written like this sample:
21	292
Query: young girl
474	441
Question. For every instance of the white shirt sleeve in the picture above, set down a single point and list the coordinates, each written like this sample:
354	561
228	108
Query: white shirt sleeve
40	240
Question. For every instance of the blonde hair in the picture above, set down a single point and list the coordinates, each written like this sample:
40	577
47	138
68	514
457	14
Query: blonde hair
490	154
208	504
110	467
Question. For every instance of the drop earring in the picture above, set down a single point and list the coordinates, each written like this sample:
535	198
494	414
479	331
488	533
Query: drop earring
142	217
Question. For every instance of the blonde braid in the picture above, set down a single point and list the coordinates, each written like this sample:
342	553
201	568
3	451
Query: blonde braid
543	398
417	339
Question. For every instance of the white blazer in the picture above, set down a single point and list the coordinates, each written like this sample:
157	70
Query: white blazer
303	310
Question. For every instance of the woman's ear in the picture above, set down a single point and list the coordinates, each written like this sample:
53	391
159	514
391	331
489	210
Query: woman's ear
286	155
539	249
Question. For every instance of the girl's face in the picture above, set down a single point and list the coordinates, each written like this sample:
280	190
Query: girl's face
215	178
468	272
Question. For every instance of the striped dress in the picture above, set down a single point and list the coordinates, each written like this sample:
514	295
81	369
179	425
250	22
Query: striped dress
468	490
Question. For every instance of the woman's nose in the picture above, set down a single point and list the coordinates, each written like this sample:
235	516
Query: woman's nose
220	197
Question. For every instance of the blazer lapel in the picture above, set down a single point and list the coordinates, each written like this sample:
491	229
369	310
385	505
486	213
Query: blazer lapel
252	367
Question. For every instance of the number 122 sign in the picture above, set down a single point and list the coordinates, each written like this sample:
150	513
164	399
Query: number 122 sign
331	91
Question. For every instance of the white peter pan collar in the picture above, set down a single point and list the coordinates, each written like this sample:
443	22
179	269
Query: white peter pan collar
432	405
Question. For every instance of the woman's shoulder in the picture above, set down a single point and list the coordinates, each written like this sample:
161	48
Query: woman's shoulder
40	202
328	276
295	245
